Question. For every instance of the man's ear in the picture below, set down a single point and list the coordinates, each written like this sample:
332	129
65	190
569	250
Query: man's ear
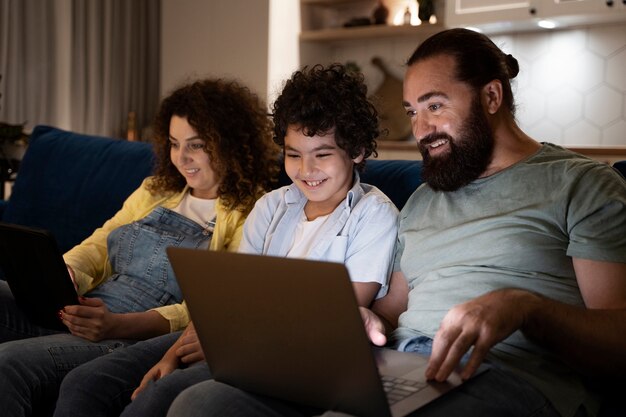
491	95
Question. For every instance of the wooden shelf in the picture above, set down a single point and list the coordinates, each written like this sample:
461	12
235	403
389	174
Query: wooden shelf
365	32
329	3
407	149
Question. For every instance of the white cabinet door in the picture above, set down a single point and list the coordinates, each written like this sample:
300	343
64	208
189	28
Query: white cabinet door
504	15
477	12
579	10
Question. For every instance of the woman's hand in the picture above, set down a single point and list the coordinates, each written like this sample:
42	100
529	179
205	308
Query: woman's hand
90	320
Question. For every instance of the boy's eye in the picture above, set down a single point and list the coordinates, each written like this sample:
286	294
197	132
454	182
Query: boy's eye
411	113
322	155
292	155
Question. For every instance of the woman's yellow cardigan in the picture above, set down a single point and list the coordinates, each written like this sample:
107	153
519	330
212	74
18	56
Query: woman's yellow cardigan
90	260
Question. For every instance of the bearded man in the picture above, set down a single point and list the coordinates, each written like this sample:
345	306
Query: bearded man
514	251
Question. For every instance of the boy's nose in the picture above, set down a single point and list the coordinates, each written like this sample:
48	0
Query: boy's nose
307	166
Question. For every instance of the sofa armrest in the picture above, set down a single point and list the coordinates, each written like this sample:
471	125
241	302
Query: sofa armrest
3	206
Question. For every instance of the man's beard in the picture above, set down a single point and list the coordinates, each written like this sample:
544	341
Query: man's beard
467	158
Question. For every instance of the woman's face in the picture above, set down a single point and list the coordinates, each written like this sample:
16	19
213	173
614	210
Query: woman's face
189	157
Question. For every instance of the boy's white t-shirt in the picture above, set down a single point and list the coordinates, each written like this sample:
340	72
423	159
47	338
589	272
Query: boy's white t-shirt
307	233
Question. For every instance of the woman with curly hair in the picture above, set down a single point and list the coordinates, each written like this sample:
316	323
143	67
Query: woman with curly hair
215	157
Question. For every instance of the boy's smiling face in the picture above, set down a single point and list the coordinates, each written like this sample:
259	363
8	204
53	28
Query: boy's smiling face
320	169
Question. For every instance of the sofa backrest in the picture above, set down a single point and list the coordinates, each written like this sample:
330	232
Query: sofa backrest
71	183
397	178
620	166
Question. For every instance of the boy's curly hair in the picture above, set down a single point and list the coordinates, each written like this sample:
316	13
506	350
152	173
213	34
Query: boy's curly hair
322	100
237	134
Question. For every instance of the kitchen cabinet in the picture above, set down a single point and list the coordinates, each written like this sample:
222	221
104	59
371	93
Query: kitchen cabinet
323	26
492	16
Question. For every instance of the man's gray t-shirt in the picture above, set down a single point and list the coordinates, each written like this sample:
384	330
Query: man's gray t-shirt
518	228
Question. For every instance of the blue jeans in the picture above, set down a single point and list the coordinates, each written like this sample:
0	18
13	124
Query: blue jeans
34	360
103	386
32	369
493	393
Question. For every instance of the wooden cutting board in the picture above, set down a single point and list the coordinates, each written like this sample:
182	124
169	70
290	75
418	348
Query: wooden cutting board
388	101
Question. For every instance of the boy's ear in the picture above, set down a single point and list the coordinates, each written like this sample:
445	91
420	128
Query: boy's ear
358	159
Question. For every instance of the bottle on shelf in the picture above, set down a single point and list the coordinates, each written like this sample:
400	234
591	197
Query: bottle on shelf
407	16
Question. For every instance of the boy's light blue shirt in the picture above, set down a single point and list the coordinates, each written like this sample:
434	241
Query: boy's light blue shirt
361	232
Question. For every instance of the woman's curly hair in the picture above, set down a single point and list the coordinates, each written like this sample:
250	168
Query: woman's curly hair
322	100
238	138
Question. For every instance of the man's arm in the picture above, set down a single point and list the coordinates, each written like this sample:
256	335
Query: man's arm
591	339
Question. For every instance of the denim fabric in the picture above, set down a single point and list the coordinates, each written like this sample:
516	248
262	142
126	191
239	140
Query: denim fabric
494	393
159	395
102	387
143	276
32	369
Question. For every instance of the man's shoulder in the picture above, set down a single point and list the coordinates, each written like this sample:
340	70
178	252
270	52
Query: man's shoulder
570	165
551	154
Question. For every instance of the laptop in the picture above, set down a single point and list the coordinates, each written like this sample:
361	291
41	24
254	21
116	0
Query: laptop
291	329
36	273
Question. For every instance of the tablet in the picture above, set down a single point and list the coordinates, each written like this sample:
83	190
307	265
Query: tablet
36	273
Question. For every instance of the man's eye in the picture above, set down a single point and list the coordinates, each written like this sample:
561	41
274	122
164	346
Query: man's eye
435	106
411	113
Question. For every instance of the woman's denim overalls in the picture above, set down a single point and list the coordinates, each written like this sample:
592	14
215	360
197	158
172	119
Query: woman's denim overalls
143	278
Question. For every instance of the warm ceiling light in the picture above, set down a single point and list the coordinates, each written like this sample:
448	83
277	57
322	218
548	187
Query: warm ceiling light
546	24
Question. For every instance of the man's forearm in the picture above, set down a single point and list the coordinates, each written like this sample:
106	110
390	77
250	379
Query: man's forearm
591	340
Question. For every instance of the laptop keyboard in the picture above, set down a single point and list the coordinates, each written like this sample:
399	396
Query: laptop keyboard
398	388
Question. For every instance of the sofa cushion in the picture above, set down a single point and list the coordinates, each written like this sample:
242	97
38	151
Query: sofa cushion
71	183
620	166
396	178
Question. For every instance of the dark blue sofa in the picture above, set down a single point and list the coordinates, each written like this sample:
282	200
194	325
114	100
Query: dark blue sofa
71	184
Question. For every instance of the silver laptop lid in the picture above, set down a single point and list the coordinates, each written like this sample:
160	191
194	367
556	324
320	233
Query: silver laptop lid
285	328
